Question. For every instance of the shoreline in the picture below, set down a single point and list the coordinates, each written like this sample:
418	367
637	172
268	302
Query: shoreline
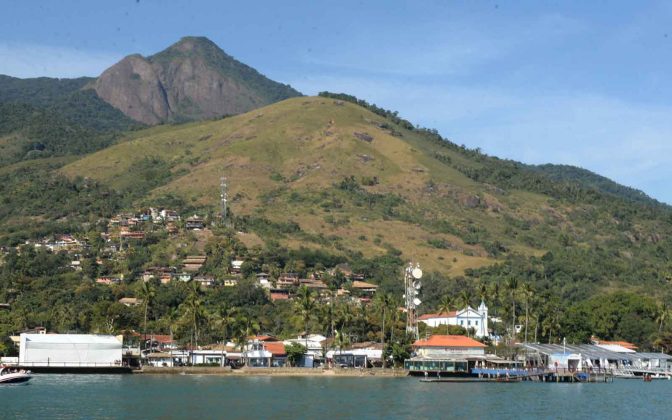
315	372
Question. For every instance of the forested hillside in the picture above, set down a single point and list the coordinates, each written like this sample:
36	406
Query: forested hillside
318	182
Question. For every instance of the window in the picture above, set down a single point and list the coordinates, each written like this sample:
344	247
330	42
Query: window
476	322
468	322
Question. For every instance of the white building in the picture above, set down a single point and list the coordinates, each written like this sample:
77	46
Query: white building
466	318
70	350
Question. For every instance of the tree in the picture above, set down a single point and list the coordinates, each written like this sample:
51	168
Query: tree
305	303
528	293
383	301
512	285
294	353
445	304
147	294
193	312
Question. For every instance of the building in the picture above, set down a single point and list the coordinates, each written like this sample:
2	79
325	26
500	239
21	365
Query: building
448	354
70	350
130	301
265	351
466	318
194	223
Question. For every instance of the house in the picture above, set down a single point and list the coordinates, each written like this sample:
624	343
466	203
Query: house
279	294
205	281
160	359
314	344
230	282
194	262
359	355
130	301
108	280
263	280
466	318
287	280
265	351
185	277
194	223
138	235
237	266
364	287
454	354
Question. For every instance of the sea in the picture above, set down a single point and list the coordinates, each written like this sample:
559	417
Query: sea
321	398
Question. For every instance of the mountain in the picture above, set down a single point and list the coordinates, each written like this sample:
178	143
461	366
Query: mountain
325	173
192	79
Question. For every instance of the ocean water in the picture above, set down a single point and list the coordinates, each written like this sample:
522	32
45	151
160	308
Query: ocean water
217	397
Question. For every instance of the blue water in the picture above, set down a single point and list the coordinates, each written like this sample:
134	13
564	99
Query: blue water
215	397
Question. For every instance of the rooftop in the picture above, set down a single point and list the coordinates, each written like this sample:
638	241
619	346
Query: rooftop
448	341
438	315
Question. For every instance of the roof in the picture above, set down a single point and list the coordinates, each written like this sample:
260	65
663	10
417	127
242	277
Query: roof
276	348
265	338
357	284
625	344
450	314
73	339
161	338
448	341
279	296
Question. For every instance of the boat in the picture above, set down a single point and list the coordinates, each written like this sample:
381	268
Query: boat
9	377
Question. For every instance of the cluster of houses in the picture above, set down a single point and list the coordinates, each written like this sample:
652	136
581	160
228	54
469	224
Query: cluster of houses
262	351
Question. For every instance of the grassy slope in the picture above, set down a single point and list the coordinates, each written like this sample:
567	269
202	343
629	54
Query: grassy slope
283	162
294	150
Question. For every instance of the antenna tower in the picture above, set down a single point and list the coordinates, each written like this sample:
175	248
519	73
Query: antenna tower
412	285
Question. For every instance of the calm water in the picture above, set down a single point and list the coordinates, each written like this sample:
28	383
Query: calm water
172	397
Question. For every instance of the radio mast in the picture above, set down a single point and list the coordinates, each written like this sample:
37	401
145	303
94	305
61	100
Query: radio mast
412	285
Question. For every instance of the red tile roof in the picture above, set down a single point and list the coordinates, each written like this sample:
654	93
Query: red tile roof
625	344
448	341
279	296
439	315
276	348
265	338
160	338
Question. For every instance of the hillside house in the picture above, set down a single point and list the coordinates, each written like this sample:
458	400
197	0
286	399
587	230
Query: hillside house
204	281
194	223
237	265
194	262
230	282
130	301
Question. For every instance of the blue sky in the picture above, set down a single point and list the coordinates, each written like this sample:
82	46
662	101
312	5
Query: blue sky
586	83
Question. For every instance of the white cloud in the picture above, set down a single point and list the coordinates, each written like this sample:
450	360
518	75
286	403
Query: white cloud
32	60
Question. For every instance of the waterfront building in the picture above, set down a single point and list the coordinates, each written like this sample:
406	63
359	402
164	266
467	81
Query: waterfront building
70	350
449	354
467	318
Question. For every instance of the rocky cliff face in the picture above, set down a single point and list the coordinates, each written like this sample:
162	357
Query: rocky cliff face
191	80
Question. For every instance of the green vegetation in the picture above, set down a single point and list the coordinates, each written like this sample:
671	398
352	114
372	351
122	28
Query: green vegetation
561	252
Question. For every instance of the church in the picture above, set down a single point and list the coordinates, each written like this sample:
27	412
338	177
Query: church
467	318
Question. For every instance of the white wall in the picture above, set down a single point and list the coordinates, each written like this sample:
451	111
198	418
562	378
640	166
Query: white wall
69	350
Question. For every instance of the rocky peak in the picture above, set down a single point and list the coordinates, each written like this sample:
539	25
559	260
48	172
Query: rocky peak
190	80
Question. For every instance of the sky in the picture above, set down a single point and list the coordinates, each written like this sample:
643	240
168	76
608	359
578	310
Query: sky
585	83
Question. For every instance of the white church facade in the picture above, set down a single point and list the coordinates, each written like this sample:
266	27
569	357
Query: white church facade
466	318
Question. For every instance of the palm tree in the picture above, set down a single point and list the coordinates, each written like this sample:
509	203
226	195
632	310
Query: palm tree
466	297
383	301
305	304
512	285
445	304
244	327
193	311
147	294
528	293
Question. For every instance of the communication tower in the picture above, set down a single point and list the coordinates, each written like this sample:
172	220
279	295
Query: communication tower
412	286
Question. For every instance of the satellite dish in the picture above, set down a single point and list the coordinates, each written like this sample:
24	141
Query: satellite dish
417	301
416	273
417	285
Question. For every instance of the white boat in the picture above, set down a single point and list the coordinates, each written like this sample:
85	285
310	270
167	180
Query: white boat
9	377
